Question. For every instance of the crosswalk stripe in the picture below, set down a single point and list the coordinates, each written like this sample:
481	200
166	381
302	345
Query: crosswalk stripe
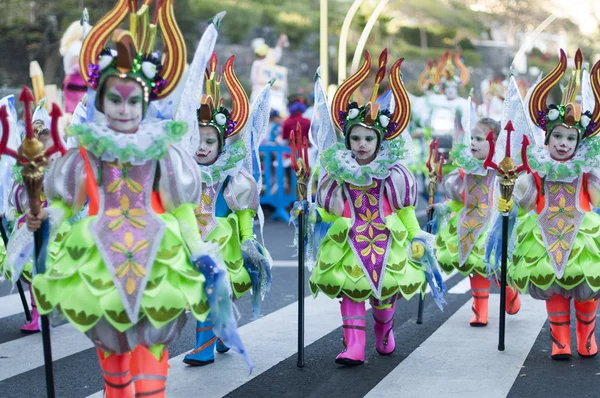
66	340
269	340
11	305
461	287
455	355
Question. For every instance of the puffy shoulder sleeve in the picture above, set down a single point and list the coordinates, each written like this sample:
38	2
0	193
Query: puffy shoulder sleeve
454	186
330	196
526	192
65	181
241	193
179	181
401	188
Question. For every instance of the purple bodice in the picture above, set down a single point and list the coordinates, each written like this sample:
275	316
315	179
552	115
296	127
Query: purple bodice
560	220
369	236
475	216
205	210
126	229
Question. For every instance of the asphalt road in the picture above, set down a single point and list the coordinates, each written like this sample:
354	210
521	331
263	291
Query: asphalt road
444	357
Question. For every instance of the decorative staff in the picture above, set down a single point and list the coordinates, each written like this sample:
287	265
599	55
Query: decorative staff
507	172
299	145
435	162
33	157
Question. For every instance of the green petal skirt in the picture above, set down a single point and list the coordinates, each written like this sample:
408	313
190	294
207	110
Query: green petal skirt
338	271
80	285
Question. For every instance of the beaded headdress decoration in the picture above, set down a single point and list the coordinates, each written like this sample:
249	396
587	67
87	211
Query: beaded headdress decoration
348	114
134	57
568	113
212	112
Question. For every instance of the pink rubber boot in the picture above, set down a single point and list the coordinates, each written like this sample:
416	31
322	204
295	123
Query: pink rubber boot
383	327
34	325
355	335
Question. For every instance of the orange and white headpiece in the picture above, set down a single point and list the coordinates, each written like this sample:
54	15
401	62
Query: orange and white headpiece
568	113
348	114
445	74
134	57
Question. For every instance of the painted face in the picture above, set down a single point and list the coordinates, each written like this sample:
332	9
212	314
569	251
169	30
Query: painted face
562	143
208	149
363	143
451	92
479	146
123	104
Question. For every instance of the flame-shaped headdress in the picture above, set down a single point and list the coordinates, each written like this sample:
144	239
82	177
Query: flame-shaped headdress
445	74
427	77
134	57
211	111
387	125
567	113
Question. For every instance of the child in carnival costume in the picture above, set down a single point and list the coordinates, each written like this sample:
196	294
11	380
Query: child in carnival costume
464	220
126	275
18	204
230	194
374	248
558	250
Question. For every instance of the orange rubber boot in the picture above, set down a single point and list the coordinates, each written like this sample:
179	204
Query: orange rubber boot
480	288
513	300
585	313
149	373
117	378
559	315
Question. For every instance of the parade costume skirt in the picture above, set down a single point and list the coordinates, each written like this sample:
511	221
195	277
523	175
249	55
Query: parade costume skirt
446	245
79	284
532	270
338	271
227	236
27	273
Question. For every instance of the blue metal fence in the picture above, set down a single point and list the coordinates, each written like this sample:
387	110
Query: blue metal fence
276	192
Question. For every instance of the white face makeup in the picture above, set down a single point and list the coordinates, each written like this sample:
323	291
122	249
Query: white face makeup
479	146
451	92
208	149
123	104
562	143
363	143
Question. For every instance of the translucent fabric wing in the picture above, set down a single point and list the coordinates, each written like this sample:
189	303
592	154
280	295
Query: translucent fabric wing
538	134
322	133
194	85
587	94
469	119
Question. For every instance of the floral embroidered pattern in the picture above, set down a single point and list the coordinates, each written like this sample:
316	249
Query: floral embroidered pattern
133	185
479	208
129	250
125	213
561	210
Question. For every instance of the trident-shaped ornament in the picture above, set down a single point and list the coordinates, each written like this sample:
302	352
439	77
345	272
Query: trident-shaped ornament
32	155
435	162
507	170
300	161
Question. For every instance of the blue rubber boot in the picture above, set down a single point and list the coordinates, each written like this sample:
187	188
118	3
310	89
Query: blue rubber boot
204	353
221	348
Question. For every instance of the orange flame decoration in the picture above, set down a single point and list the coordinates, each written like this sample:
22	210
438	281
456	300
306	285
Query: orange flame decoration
241	107
345	90
424	75
537	103
401	116
212	66
175	52
464	72
595	79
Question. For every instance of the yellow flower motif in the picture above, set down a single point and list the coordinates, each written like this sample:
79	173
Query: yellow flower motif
560	232
125	213
133	185
554	189
369	219
358	201
561	209
479	183
477	207
471	226
372	248
128	249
